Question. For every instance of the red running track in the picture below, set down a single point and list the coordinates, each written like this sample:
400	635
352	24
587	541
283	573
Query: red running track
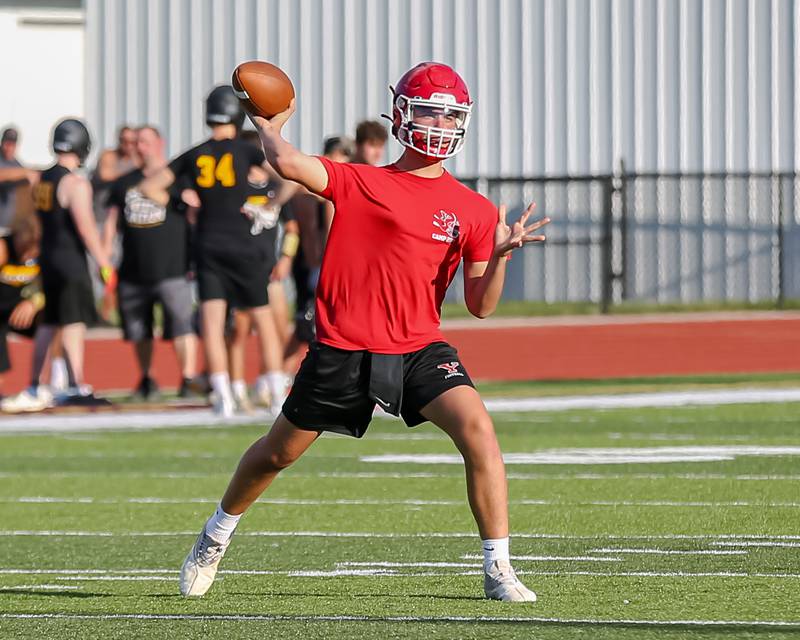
533	349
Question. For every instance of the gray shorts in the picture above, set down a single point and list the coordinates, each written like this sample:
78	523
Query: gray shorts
136	303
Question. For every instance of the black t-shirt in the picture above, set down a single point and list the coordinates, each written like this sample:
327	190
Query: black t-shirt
218	170
265	228
15	275
154	238
62	251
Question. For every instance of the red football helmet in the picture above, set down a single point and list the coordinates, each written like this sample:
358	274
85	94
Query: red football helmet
431	94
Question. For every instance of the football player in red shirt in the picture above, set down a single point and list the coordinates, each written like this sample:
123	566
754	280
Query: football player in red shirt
399	234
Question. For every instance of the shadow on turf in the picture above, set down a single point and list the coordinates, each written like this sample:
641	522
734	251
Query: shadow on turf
51	592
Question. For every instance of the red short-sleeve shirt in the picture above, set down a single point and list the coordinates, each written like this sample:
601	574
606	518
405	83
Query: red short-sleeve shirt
393	249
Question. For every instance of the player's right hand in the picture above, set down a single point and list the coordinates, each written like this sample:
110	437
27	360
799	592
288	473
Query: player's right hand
276	122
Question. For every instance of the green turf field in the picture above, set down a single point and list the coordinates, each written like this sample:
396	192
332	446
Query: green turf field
348	544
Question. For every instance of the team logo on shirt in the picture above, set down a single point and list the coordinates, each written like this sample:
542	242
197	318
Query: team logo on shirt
451	368
141	212
447	223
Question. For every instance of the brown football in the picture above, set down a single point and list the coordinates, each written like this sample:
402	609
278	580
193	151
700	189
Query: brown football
262	88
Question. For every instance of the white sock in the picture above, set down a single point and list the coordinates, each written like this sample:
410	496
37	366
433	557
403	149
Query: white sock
221	384
276	381
59	376
221	525
262	382
494	549
239	388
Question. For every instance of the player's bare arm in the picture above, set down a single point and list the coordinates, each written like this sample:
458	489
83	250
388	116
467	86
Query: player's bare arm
110	228
107	169
483	281
75	193
155	187
289	163
19	174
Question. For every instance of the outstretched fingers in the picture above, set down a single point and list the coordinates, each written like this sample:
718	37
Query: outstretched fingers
501	213
527	213
536	225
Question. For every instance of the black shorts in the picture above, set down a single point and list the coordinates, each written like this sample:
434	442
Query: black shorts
136	303
331	390
68	299
240	278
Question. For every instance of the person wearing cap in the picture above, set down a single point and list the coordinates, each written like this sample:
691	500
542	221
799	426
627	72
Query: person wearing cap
12	175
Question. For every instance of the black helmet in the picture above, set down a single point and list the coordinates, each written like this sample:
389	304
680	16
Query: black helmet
223	107
72	136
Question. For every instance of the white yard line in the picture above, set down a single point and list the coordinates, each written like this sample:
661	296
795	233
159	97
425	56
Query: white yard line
379	568
400	619
416	502
670	552
601	455
364	534
388	475
147	420
756	543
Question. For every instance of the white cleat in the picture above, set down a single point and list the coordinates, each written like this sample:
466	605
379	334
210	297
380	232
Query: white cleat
200	567
501	583
243	404
221	408
30	400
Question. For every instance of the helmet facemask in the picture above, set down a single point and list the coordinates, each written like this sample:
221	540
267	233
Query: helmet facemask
432	141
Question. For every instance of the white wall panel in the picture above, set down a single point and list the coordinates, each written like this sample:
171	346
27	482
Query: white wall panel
561	87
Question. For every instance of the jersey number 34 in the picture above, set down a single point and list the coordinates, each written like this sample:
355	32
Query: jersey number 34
213	171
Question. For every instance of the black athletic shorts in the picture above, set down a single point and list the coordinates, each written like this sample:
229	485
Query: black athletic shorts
240	278
332	389
136	303
68	299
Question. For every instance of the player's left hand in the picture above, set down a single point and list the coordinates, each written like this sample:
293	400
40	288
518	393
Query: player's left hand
22	316
507	238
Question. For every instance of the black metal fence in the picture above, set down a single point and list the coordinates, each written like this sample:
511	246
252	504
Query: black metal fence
659	238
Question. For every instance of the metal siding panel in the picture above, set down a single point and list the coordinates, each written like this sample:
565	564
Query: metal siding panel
667	94
601	157
555	94
691	85
783	133
622	77
532	81
644	62
760	89
577	81
736	93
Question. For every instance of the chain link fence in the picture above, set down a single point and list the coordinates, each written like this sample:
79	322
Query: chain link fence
655	238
